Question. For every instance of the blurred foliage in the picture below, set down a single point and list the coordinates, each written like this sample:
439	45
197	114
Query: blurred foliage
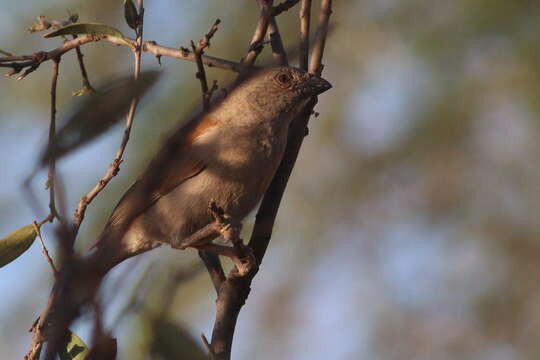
409	229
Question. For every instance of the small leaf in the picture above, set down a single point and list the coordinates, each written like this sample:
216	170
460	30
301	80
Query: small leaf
98	112
16	243
75	349
86	28
5	53
130	13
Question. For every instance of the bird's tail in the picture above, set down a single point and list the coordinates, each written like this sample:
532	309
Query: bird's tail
111	249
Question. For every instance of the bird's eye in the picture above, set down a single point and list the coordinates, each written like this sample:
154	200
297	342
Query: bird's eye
284	79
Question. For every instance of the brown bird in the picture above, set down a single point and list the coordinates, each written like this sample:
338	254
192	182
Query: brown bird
228	154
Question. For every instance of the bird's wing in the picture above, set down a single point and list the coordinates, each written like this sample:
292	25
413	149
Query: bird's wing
175	163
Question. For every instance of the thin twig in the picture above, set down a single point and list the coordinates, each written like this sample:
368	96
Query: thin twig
39	326
18	63
201	75
305	17
255	46
205	41
44	249
52	140
278	50
86	81
316	66
114	167
198	51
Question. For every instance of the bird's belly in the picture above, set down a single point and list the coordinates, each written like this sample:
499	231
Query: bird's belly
236	186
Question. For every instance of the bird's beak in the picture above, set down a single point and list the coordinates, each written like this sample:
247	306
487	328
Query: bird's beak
317	85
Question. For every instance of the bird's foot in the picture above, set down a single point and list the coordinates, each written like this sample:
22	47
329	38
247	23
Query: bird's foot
228	227
240	254
245	261
201	237
223	225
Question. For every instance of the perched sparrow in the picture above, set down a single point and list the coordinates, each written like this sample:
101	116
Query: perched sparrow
228	154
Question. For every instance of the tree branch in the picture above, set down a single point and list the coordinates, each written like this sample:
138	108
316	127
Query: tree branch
86	81
52	139
18	63
201	73
305	15
235	290
255	46
316	66
45	251
278	50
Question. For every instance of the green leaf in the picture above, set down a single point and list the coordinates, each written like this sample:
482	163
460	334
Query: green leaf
130	13
86	28
5	53
16	243
75	349
98	112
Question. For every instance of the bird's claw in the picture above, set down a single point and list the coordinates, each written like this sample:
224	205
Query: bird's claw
245	263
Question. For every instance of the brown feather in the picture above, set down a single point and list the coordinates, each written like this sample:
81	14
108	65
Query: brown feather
159	179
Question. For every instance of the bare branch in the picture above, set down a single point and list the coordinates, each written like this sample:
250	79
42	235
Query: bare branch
52	139
278	50
18	63
201	73
205	42
44	250
316	66
114	167
305	15
214	267
86	81
184	54
255	46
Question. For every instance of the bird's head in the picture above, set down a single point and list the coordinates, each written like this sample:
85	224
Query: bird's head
279	89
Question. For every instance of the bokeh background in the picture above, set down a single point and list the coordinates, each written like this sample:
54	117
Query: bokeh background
409	229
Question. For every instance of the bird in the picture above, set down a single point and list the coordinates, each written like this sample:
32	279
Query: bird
227	154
